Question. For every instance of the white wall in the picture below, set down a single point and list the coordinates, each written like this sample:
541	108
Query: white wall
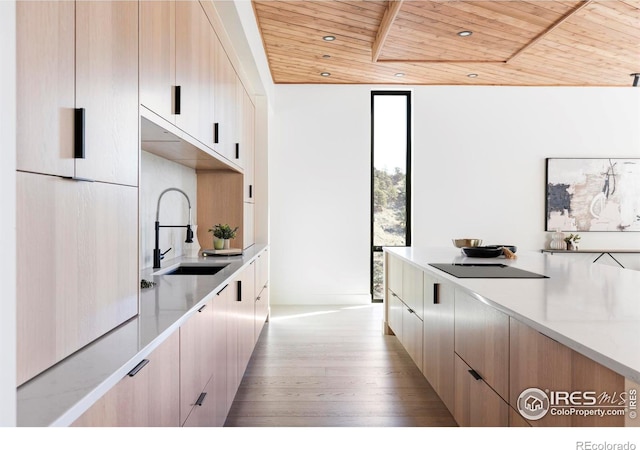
319	195
158	174
8	217
479	171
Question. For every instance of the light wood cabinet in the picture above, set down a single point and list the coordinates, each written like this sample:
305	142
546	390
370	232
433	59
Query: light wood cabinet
482	340
45	86
77	271
148	397
107	88
395	311
233	325
204	410
475	403
246	146
413	288
412	327
246	327
538	361
261	310
194	71
226	107
220	337
248	225
158	57
196	359
394	274
438	335
78	55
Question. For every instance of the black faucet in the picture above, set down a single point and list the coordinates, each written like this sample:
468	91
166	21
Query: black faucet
157	254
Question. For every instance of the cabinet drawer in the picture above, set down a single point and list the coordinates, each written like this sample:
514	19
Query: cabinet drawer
394	274
476	404
413	288
482	340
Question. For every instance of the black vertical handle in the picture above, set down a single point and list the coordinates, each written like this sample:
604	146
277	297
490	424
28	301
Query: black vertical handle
215	133
239	291
200	400
237	150
78	138
250	191
176	100
436	293
475	374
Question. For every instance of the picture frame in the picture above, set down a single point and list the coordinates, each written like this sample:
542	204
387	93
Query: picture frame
592	194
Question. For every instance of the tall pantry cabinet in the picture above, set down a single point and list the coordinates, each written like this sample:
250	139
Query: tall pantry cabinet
77	180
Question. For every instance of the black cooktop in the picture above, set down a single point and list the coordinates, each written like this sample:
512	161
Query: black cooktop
485	271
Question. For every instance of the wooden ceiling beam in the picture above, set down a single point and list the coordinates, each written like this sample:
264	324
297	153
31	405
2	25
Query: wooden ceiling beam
549	30
393	8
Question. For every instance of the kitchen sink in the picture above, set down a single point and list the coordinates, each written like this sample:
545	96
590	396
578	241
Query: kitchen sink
194	269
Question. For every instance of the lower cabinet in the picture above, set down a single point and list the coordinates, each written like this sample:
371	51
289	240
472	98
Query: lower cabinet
204	410
196	361
149	396
261	312
412	335
220	336
475	403
570	381
438	336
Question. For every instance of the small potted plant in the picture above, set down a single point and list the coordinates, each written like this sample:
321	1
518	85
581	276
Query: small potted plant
222	235
572	241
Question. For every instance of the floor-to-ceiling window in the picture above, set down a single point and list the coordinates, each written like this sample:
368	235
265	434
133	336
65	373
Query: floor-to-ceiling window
390	178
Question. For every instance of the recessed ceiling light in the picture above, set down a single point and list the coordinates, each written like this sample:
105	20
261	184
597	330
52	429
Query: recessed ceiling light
399	74
325	74
329	38
472	75
465	33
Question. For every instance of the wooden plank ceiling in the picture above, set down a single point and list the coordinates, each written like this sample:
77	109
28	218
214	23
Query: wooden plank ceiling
519	43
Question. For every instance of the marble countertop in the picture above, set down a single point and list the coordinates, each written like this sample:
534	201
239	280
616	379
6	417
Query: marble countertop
593	309
58	396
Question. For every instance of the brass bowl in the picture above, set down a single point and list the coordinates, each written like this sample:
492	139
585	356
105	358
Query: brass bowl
467	242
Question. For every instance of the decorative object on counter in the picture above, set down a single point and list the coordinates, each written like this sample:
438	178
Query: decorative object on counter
145	284
192	249
590	194
557	241
222	252
508	253
223	233
482	252
572	241
467	242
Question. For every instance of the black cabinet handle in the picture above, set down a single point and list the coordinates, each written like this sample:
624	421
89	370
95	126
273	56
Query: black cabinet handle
250	191
215	133
202	307
411	311
436	293
138	368
237	150
220	291
475	374
239	299
176	100
78	134
393	294
201	398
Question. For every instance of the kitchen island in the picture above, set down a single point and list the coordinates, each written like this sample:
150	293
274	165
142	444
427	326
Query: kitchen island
582	309
63	393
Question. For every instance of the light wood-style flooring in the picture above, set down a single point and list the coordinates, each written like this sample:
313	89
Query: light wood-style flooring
333	367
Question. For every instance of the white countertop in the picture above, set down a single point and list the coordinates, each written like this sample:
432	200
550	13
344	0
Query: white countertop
58	396
593	309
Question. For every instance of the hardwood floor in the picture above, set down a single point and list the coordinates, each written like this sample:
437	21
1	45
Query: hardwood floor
333	367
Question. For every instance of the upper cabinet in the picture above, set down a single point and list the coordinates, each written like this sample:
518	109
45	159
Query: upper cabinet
158	57
246	144
77	89
194	100
225	106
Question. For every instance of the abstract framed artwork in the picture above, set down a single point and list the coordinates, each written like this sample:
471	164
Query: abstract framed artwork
593	194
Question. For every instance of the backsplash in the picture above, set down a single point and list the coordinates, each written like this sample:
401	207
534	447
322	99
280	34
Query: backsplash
158	174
